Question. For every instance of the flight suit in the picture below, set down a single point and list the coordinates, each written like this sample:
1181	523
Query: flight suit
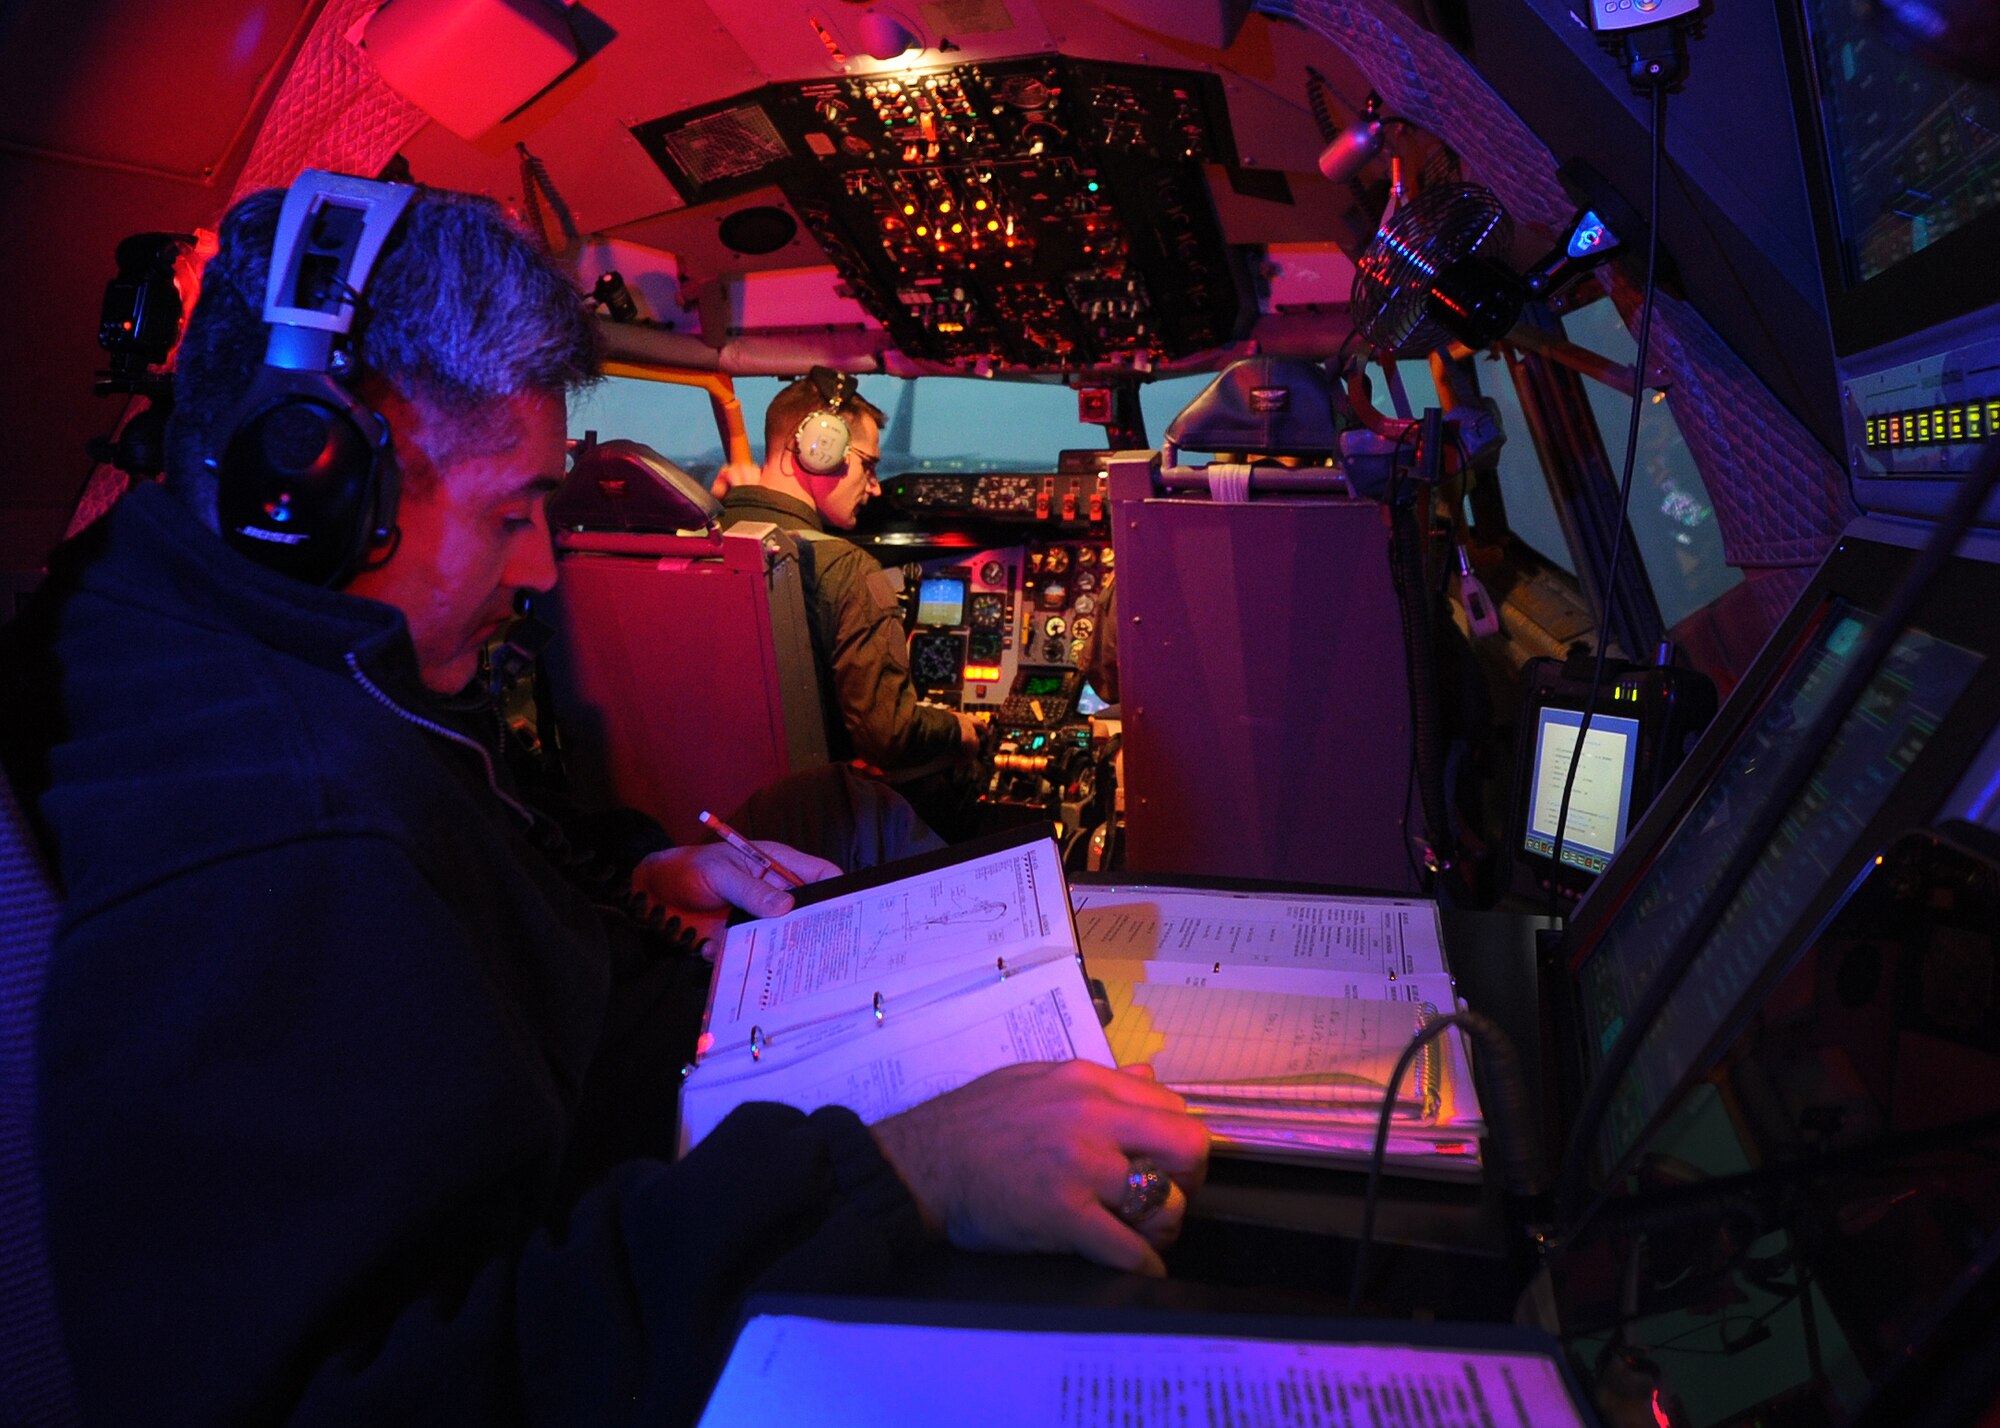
858	641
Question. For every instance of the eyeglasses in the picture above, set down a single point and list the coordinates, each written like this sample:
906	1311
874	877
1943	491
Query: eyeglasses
869	461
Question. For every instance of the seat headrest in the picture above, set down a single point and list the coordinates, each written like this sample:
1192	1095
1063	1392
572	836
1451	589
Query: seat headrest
628	486
1274	406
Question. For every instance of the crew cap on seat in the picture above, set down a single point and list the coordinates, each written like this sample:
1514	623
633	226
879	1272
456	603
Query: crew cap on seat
1276	406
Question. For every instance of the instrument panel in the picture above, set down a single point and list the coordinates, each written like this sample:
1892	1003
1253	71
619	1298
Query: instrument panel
1044	212
1034	604
1061	498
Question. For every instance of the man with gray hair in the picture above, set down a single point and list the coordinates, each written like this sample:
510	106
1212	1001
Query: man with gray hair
356	1099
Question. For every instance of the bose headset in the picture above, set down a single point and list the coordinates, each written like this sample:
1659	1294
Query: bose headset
305	482
821	440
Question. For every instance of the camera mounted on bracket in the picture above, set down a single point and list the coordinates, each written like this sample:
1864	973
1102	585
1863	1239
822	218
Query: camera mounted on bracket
138	324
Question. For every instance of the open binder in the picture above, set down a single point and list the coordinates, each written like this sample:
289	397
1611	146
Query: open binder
1278	1016
882	990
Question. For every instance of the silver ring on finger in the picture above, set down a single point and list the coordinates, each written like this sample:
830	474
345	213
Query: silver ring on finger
1146	1189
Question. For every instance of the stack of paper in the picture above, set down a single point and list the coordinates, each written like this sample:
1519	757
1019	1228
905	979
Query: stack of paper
1280	1017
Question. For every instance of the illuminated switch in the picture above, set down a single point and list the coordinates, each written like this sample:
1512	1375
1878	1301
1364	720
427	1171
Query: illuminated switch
1069	505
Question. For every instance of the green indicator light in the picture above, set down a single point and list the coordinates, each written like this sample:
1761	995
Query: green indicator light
1092	185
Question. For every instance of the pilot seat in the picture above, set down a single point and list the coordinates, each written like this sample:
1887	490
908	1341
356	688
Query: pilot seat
684	667
1261	658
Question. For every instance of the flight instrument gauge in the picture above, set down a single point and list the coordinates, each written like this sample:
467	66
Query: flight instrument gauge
988	611
994	575
1056	625
937	661
1086	580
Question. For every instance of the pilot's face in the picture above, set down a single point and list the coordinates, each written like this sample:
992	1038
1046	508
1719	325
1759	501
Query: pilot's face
841	496
474	529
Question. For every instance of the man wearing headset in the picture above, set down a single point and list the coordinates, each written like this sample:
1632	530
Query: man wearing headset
354	1106
821	442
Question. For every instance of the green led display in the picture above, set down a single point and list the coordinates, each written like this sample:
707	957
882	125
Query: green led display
1934	426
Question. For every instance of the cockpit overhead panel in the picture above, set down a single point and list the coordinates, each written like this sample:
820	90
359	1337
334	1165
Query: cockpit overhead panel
1045	212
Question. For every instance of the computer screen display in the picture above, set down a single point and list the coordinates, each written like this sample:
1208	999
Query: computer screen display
1041	686
1912	149
1900	162
941	601
1090	703
1874	747
1600	802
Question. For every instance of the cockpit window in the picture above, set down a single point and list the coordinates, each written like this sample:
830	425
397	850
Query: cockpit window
955	423
678	422
1672	517
935	423
1160	402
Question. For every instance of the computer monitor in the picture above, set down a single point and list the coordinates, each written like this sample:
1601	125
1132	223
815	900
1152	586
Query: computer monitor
1901	177
1899	158
1600	802
941	601
1890	766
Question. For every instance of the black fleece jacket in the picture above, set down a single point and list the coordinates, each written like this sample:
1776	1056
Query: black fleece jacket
352	1109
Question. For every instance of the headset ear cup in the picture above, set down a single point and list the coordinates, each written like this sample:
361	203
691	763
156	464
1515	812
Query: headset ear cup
821	442
298	480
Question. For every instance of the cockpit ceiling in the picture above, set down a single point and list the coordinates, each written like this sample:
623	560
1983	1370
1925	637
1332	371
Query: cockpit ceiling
1142	176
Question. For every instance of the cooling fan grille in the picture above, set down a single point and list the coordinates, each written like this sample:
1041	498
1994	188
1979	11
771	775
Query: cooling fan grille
1443	225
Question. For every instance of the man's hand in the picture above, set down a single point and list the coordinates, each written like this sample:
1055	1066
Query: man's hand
701	884
1035	1157
971	735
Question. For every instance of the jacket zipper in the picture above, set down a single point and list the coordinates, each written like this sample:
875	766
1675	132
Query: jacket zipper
381	697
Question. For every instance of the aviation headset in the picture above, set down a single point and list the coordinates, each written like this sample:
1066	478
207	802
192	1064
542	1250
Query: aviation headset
822	438
305	482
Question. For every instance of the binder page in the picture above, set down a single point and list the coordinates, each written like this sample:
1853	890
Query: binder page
1271	1046
921	1048
789	1369
1387	948
889	939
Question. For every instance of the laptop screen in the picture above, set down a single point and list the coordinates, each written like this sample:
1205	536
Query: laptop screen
1600	802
